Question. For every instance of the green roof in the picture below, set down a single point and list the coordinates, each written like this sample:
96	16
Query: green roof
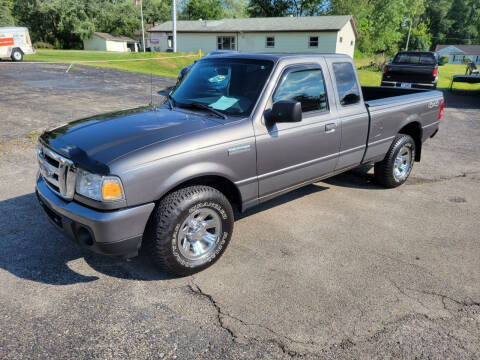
277	24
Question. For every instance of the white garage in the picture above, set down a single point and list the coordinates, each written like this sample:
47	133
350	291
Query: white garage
108	42
312	34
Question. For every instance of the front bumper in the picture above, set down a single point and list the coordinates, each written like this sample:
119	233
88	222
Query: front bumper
116	233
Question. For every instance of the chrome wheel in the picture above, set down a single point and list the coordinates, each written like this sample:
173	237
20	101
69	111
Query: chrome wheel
199	234
17	55
402	164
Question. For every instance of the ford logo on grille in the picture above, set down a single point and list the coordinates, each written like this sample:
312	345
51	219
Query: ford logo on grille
49	172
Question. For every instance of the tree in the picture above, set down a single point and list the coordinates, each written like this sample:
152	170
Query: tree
234	9
271	8
464	16
156	11
202	9
436	14
63	23
119	17
6	17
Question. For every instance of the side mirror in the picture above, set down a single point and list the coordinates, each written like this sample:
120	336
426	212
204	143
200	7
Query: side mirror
284	111
349	99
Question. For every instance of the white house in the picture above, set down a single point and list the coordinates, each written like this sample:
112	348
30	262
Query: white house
458	53
312	34
109	42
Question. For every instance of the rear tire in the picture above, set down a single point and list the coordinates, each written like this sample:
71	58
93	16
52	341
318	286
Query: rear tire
17	55
189	230
395	168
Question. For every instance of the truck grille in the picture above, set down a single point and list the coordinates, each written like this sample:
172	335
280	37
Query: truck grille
58	172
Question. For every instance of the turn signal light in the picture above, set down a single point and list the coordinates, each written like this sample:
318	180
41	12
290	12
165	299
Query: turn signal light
111	189
435	73
440	114
385	69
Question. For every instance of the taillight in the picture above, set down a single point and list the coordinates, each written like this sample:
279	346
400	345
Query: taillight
440	114
435	73
385	69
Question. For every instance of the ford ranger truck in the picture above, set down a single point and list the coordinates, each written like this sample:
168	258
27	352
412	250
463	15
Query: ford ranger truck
237	131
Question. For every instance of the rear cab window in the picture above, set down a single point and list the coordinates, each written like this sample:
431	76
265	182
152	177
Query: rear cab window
305	85
414	58
347	86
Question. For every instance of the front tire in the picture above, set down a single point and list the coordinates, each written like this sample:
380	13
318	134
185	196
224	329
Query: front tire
16	55
395	168
189	230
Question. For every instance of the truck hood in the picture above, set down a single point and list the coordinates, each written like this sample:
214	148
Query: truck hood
96	141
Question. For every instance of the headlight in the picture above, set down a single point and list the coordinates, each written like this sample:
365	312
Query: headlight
97	187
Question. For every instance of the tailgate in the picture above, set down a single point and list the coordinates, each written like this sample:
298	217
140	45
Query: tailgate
410	73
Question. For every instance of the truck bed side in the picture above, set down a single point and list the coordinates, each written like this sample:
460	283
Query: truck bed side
394	110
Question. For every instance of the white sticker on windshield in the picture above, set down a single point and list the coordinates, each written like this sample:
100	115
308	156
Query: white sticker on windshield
224	103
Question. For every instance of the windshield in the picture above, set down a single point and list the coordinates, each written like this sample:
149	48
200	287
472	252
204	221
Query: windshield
231	86
414	58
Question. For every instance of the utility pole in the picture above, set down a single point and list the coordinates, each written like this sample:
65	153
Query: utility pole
409	31
143	28
174	25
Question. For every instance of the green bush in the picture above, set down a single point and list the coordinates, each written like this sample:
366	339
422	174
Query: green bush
42	45
443	60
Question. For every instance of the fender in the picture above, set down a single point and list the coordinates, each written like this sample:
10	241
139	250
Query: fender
192	171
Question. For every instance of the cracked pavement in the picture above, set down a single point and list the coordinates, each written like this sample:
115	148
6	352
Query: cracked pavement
341	269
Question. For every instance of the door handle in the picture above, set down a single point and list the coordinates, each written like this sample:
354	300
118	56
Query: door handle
329	128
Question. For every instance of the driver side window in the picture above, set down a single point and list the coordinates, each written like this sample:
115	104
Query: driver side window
305	86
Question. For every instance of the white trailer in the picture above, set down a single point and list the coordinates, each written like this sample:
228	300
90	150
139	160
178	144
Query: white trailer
15	42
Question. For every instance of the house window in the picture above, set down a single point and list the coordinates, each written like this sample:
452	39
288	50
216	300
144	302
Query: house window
313	42
341	39
170	41
225	42
453	58
270	42
351	43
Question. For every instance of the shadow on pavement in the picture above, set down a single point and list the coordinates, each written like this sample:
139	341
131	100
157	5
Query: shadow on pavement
462	99
34	250
293	195
358	178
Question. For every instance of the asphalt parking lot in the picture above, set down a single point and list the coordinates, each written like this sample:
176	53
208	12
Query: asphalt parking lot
341	269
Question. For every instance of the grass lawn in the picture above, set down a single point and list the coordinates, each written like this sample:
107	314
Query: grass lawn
169	64
446	72
165	64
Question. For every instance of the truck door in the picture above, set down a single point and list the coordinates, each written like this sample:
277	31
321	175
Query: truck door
289	154
352	113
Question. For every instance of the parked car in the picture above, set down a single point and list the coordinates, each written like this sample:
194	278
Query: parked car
15	42
186	69
239	130
412	69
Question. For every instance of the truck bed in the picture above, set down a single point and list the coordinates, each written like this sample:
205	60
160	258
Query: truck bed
382	92
390	109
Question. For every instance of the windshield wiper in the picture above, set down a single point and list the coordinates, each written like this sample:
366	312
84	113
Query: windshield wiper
205	107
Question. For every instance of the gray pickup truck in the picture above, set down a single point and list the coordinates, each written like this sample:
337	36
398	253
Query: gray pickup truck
236	131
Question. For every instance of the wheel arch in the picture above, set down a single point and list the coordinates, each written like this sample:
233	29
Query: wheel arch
19	49
215	180
414	129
